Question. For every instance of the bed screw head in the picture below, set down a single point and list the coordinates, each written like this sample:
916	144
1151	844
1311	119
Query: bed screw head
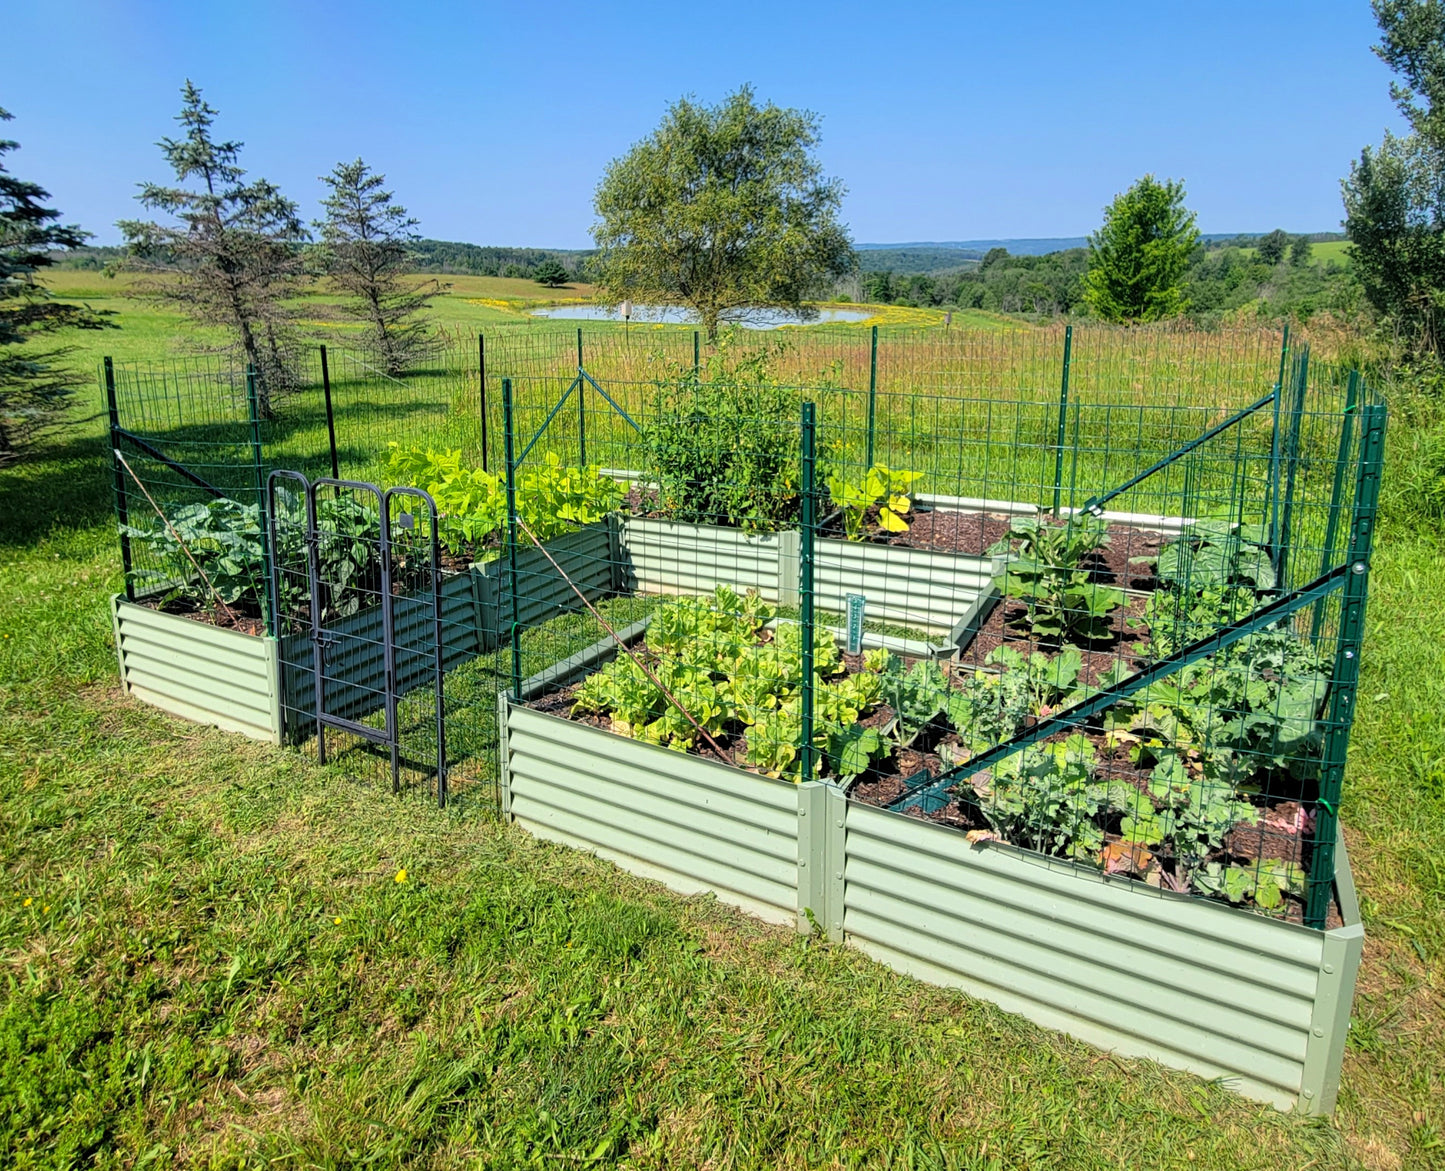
1319	1032
1309	1093
1329	969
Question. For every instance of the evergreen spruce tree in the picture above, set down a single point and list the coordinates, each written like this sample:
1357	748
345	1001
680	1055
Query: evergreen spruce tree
1139	257
365	240
230	254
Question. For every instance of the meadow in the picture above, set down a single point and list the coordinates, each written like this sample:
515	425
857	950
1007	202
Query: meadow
218	954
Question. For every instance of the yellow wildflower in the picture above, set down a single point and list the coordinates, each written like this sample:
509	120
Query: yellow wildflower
401	875
27	902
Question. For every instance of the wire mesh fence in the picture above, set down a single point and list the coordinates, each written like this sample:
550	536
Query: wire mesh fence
1091	593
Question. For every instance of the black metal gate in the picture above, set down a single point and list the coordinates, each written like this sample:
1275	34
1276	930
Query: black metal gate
356	588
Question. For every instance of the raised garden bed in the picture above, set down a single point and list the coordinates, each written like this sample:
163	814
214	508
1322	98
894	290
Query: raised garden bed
1193	984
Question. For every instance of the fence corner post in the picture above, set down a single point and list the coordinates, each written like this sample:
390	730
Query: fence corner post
122	504
807	751
1063	419
253	402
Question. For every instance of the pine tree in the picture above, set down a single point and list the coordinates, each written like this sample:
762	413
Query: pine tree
1139	257
35	388
365	238
231	255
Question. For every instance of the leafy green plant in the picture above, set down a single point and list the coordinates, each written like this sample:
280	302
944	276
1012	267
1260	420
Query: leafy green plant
724	449
223	538
1049	573
1216	553
719	660
1186	815
1265	883
1048	797
1176	617
552	498
855	491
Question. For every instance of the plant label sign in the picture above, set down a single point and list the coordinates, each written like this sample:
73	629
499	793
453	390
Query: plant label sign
856	605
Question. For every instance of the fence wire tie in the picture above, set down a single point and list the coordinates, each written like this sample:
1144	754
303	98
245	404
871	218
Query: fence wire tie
231	614
721	755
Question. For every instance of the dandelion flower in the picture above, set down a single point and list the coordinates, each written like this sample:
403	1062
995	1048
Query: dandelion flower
27	902
401	875
337	920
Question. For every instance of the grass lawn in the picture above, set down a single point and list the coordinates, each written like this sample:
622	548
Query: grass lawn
211	953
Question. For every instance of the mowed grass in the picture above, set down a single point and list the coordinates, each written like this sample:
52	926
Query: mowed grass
178	990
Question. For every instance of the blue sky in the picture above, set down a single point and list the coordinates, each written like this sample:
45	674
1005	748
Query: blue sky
493	122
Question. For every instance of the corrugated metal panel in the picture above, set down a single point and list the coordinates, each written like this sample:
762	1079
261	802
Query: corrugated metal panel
584	556
690	823
660	557
914	587
1186	982
199	671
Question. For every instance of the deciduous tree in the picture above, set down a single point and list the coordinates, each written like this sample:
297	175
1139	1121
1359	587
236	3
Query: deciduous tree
1139	257
230	253
1395	193
364	250
722	208
1271	247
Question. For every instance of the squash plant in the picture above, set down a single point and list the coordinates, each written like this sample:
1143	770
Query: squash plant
854	492
223	537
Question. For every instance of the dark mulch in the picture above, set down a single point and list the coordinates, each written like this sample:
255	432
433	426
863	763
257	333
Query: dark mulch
239	618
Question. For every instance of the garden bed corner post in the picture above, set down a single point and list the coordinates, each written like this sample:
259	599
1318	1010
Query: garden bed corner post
822	824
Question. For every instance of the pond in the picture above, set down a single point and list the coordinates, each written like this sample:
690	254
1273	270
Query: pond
677	315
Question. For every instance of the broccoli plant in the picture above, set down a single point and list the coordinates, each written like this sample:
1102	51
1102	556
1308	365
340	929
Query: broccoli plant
1049	573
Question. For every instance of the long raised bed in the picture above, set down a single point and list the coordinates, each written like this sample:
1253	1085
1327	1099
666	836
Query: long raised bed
1196	985
198	671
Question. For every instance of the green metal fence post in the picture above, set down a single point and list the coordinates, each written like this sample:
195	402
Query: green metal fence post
122	505
1332	521
696	355
330	416
1291	460
807	751
1272	507
253	403
581	404
1347	664
516	627
482	371
872	394
1063	417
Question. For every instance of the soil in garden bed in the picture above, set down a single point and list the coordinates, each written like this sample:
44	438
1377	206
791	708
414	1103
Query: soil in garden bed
239	617
975	533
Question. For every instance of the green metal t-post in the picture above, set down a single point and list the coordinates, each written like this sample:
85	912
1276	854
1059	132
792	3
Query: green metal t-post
1063	418
807	751
253	403
1273	486
696	355
516	629
1332	522
872	394
122	508
581	405
1347	665
330	415
482	372
1291	462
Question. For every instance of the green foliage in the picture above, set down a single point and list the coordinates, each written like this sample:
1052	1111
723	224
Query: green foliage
854	492
725	450
1217	553
1249	707
35	388
552	498
1264	883
1176	618
1050	574
224	538
722	208
719	662
230	252
1272	245
364	250
1139	256
1186	817
1047	797
550	272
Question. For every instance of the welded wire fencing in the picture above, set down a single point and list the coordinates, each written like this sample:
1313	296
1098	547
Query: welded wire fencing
1092	593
